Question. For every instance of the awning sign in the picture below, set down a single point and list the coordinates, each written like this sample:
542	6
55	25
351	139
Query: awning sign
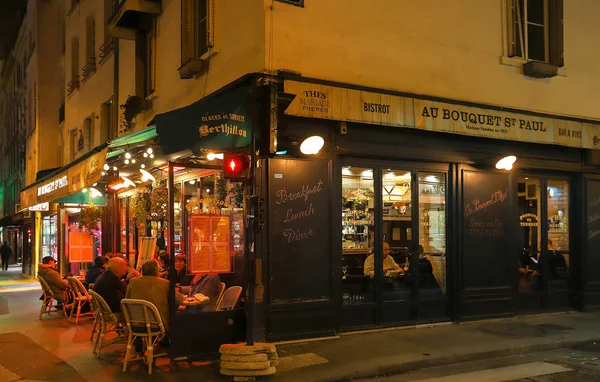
40	207
342	104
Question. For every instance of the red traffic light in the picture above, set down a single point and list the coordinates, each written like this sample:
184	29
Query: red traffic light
235	165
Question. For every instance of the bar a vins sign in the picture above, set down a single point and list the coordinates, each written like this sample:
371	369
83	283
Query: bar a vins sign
342	104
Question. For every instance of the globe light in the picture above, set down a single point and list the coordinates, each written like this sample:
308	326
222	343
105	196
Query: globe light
149	151
151	155
106	167
211	156
145	155
133	161
143	165
126	161
312	145
115	168
127	155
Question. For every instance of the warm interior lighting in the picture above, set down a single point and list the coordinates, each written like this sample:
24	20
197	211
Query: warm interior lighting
506	163
147	175
312	145
210	156
193	181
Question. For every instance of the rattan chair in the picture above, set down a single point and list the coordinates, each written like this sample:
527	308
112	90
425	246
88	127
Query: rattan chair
230	298
81	298
106	321
223	287
48	302
143	321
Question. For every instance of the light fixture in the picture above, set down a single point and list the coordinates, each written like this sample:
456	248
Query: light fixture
312	145
211	156
126	161
127	182
133	161
127	155
208	190
143	166
219	156
149	151
84	190
103	173
506	163
145	155
147	175
151	156
114	168
106	167
193	181
282	152
95	193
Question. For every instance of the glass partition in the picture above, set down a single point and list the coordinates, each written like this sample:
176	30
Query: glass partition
558	233
530	268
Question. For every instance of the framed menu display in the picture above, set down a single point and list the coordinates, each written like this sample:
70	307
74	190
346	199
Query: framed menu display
81	247
210	244
147	248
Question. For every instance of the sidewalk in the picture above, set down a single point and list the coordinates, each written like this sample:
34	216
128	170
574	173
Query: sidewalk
14	281
396	351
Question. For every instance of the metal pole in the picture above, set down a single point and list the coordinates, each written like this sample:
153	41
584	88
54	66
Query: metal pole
170	246
250	240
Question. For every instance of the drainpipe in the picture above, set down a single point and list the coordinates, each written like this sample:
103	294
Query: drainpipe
116	128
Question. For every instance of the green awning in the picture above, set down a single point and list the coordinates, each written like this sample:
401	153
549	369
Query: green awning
82	198
133	138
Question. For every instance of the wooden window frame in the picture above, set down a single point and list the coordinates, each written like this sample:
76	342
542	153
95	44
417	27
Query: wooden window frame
145	62
194	61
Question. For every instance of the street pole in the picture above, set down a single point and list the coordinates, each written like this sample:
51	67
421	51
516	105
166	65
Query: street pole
249	244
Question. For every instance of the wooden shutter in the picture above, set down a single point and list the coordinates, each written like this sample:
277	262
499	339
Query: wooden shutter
152	58
187	31
511	13
555	18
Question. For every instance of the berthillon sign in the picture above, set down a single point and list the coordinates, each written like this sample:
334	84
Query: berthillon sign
350	105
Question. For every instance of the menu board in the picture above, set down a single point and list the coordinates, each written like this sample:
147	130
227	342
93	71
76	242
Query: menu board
81	247
210	244
486	217
300	262
147	248
593	228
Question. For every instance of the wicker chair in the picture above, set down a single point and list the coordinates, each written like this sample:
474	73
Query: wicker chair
223	287
81	298
49	298
143	321
230	298
107	322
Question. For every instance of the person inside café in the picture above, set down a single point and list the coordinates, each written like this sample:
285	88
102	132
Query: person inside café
57	284
389	264
208	284
163	262
131	272
100	265
110	285
149	287
181	277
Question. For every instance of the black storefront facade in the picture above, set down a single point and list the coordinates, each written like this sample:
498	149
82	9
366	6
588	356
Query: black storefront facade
469	241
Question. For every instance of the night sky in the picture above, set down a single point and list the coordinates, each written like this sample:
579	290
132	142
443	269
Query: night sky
11	14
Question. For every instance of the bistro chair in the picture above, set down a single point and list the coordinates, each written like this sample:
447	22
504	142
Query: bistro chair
49	298
223	287
230	298
143	321
81	298
107	322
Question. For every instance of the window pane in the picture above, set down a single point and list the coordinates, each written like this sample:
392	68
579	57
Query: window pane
535	11
530	235
558	233
432	233
537	46
520	28
358	235
397	233
202	27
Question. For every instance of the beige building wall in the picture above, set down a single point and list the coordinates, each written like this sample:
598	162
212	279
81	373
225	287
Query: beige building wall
453	49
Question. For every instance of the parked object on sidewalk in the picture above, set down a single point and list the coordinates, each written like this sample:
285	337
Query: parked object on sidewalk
143	321
48	300
106	322
3	305
242	361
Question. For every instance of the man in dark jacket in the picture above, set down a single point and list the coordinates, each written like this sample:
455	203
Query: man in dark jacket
110	286
100	264
58	284
5	254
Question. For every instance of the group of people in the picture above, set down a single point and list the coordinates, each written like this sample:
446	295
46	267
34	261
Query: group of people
114	279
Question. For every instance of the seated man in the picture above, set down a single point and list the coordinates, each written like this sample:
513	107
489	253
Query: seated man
100	264
182	277
388	263
110	286
131	272
57	284
208	284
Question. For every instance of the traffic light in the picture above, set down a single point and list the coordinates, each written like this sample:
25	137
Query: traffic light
235	166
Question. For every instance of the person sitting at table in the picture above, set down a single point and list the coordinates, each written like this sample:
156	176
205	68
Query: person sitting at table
388	263
182	278
208	284
163	262
57	284
100	264
131	272
111	287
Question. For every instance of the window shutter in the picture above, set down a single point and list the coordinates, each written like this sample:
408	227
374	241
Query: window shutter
511	13
555	16
152	62
187	30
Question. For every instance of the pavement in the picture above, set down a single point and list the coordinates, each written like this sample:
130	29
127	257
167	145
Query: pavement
54	349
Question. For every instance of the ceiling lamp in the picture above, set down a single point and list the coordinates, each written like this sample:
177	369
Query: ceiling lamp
312	145
95	193
506	163
147	175
128	182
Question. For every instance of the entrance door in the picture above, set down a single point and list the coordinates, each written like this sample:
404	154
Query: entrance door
543	269
393	246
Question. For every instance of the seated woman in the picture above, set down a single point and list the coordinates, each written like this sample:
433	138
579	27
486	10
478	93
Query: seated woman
182	278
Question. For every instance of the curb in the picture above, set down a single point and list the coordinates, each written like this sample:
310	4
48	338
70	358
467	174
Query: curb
380	371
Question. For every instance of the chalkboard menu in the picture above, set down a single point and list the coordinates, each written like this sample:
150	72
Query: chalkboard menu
593	228
299	230
486	214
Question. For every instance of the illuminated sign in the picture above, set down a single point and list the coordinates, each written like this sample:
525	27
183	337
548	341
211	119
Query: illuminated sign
53	186
40	207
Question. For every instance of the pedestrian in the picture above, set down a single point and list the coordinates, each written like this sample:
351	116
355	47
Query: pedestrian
5	254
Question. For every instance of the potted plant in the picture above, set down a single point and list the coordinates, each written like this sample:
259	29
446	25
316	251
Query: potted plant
141	208
132	107
89	216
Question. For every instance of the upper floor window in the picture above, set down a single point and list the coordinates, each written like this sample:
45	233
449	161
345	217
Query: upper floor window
197	34
145	50
535	30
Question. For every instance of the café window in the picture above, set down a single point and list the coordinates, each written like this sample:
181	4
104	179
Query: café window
558	233
535	30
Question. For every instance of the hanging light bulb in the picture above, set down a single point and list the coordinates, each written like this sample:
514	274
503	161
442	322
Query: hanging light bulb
151	156
115	168
106	166
143	165
149	150
126	161
133	161
103	173
145	155
127	155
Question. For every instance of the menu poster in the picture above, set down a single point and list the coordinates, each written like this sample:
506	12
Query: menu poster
210	244
147	248
593	228
486	217
81	247
300	264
